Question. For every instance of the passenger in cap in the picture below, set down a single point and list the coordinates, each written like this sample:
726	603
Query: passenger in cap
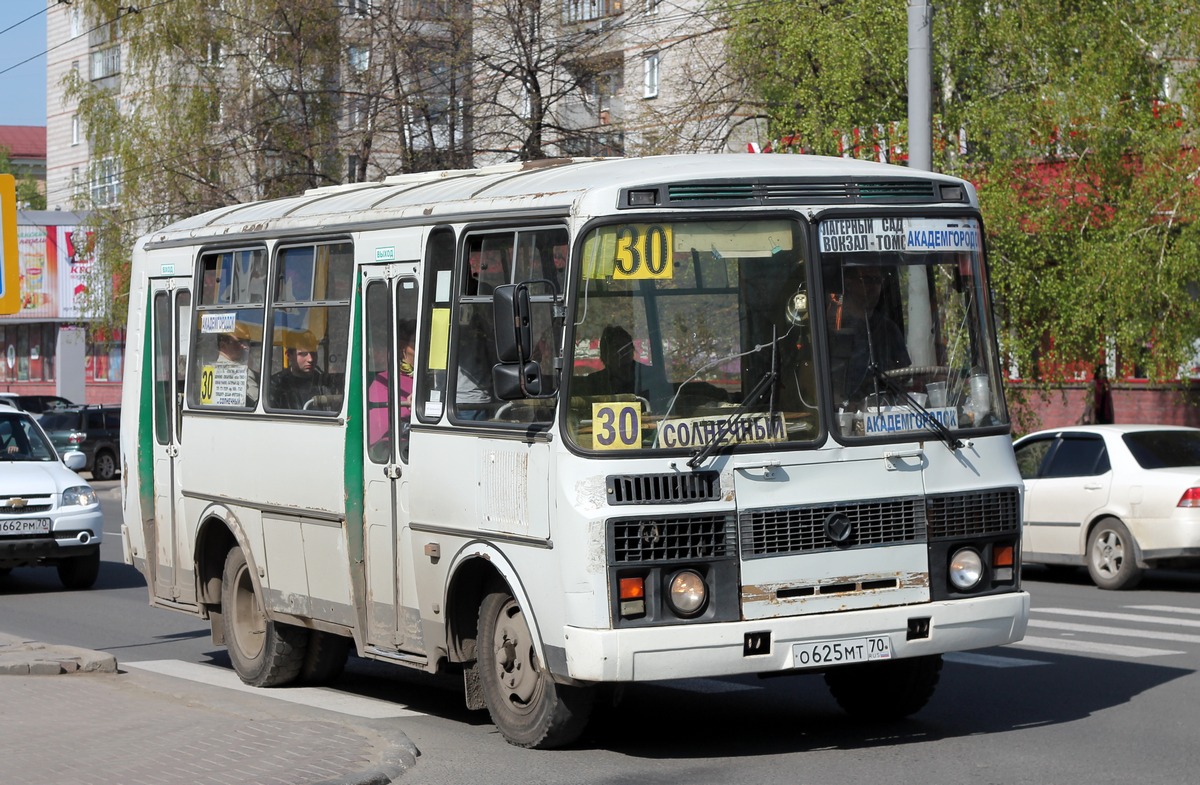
233	349
301	384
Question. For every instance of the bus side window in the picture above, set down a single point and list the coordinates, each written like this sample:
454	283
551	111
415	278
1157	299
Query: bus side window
227	347
486	264
435	325
310	328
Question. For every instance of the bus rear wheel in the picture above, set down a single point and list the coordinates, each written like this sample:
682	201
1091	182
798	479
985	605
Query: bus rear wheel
888	690
527	706
264	653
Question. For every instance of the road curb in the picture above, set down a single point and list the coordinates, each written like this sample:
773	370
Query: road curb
20	657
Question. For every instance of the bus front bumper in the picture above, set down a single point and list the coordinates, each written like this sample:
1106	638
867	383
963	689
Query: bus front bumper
700	650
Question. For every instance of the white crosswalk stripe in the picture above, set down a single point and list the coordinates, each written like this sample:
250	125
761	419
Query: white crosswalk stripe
1089	647
1112	631
316	697
1124	617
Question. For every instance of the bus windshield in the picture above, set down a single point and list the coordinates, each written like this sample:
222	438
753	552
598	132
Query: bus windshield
697	334
691	333
904	306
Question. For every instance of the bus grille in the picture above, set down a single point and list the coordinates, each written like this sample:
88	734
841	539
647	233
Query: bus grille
663	488
770	532
636	540
803	192
974	514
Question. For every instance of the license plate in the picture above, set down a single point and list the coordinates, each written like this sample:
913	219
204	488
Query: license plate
839	652
18	527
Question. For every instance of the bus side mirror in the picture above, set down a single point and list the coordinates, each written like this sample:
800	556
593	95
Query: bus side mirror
512	381
514	337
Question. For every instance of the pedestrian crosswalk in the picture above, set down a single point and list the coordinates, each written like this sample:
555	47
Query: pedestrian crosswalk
1133	632
330	699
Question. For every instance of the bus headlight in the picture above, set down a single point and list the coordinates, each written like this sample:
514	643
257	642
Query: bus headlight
687	593
966	569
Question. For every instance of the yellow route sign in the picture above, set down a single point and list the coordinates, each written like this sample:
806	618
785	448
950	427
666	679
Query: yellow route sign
10	277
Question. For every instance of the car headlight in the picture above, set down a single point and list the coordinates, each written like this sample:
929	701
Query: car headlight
966	569
81	495
687	593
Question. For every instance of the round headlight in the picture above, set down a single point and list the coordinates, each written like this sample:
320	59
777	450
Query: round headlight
966	569
687	593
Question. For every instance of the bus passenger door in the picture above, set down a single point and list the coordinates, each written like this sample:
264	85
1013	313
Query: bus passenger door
389	327
172	306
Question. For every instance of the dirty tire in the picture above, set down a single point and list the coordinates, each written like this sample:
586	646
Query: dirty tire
80	572
888	690
527	706
325	658
1112	556
104	467
264	653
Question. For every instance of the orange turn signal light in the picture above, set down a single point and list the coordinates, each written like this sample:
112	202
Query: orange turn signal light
1002	556
633	588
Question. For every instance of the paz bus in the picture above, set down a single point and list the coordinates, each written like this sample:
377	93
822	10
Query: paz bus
563	424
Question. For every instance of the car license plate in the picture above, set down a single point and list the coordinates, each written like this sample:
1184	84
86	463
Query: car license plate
15	528
839	652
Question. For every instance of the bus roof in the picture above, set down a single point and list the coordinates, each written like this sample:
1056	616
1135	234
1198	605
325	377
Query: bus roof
560	187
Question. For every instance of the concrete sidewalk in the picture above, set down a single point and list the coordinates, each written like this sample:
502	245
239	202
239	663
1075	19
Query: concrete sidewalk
71	716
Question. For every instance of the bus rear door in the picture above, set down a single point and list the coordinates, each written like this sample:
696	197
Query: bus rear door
171	303
389	326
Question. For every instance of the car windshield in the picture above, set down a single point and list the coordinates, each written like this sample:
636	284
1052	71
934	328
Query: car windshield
1164	449
904	303
20	440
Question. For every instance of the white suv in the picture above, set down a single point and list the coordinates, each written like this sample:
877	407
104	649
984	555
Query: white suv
48	514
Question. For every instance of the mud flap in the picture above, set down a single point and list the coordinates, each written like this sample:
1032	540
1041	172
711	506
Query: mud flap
473	688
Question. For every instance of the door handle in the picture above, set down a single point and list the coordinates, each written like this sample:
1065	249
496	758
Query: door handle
392	471
891	456
1092	486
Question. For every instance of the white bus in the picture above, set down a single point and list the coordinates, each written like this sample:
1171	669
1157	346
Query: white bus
571	423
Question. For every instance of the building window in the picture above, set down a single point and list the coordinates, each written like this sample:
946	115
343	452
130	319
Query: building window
105	357
106	184
105	62
76	22
359	58
75	129
27	352
650	86
587	10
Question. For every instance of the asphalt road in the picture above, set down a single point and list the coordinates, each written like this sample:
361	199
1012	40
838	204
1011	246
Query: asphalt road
1103	690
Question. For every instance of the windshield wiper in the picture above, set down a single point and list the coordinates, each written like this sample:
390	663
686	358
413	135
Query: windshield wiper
926	417
726	427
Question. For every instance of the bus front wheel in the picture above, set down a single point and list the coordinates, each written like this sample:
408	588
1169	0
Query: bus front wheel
888	690
264	653
527	706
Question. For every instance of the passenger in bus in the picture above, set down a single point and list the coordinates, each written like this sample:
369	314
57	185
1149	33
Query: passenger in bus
234	349
623	374
301	385
405	332
474	379
864	340
379	393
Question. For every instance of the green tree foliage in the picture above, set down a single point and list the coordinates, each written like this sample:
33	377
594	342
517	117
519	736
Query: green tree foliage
1076	119
29	196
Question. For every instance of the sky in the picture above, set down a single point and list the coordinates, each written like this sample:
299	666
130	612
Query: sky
23	87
